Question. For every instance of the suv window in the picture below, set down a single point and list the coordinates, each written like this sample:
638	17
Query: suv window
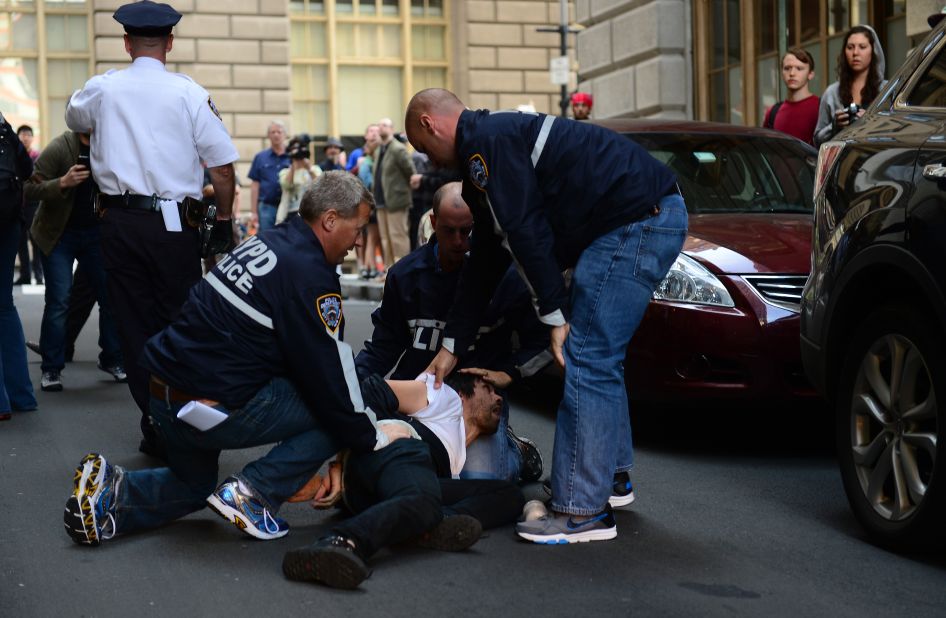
930	91
736	173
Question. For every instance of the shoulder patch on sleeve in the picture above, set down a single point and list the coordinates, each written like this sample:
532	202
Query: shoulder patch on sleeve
213	107
478	172
329	307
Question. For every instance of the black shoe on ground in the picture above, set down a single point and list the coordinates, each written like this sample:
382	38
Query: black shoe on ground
453	533
530	458
70	353
332	561
22	281
151	448
51	381
622	491
32	346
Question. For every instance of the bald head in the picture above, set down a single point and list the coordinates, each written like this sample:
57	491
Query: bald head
431	125
433	101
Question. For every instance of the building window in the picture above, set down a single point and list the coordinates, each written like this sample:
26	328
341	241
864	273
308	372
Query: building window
725	74
45	55
355	61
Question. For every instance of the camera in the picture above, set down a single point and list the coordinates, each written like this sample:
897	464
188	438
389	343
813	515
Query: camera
852	110
298	147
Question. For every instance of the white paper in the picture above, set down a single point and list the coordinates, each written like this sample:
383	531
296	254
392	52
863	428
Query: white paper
200	415
172	218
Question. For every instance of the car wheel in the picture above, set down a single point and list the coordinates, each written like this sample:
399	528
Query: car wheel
889	422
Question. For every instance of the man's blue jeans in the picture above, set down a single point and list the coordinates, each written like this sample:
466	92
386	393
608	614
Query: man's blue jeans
267	216
82	245
493	457
275	415
16	390
611	287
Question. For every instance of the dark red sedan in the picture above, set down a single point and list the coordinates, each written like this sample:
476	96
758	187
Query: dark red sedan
724	323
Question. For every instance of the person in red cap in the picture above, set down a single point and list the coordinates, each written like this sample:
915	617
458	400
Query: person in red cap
581	105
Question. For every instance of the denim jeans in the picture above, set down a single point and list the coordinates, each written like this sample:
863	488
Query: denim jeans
16	390
493	457
611	287
275	415
267	216
82	245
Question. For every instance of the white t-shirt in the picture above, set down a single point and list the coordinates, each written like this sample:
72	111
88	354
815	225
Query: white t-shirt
444	416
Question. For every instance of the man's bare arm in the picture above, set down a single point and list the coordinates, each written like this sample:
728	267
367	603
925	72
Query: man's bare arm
223	179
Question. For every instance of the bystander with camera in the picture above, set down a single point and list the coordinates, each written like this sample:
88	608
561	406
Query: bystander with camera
860	78
296	178
66	228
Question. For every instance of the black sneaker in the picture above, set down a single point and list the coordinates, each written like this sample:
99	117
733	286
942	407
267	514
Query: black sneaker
51	381
116	371
453	533
622	492
332	560
530	458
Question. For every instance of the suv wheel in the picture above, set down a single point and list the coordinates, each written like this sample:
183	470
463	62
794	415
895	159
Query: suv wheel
889	420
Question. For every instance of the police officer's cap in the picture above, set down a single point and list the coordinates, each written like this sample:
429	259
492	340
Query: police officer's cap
146	18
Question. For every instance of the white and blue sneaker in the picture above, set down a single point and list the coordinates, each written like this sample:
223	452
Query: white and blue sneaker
560	528
237	502
90	511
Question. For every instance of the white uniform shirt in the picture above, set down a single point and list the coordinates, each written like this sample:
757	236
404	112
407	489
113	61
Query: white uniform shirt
150	129
444	416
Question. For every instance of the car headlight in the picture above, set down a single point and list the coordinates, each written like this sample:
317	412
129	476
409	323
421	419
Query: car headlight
689	282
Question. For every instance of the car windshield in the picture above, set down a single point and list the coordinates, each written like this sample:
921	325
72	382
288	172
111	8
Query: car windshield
736	173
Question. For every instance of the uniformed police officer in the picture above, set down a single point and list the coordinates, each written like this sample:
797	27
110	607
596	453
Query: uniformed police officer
258	345
554	194
150	130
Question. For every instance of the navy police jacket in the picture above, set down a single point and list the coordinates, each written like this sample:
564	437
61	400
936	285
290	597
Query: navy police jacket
408	326
271	308
542	188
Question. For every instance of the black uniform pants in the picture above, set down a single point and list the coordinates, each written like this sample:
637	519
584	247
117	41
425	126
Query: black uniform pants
149	274
396	496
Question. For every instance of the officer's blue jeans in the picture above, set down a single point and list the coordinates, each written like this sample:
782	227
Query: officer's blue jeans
611	287
16	390
82	245
267	216
493	457
275	415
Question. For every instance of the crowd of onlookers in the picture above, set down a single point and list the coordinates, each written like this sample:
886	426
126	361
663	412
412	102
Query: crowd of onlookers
402	183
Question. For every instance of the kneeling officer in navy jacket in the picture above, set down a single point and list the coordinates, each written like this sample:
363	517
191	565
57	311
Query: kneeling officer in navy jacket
258	341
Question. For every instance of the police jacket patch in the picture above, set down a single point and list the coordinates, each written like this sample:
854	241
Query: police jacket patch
330	310
479	174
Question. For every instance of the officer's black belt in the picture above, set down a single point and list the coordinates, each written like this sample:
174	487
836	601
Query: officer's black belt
130	200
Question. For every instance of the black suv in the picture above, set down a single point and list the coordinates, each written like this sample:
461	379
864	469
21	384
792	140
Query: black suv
873	313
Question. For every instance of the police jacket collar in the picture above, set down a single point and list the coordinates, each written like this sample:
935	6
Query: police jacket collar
299	224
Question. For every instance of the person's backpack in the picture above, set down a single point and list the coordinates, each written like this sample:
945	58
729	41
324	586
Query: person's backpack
770	121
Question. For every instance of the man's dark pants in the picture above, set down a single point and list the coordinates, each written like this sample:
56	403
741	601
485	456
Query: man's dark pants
396	496
149	274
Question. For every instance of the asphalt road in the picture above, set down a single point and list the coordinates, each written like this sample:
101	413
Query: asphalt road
738	512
